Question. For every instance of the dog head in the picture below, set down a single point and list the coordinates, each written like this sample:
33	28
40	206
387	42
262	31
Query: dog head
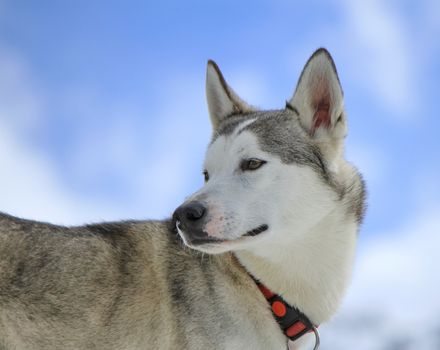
270	175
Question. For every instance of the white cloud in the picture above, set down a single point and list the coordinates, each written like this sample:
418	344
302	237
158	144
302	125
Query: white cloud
372	162
381	54
431	11
21	103
181	138
253	88
32	186
375	50
394	296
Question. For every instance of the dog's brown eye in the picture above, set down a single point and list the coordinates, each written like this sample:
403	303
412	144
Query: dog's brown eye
251	164
206	175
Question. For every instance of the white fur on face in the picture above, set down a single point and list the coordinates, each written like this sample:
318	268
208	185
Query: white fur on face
282	196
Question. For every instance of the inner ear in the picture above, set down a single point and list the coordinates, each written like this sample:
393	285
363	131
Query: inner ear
322	116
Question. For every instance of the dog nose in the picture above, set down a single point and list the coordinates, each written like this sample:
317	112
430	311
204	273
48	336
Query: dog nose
190	215
193	211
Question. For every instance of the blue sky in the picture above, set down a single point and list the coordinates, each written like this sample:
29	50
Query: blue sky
103	115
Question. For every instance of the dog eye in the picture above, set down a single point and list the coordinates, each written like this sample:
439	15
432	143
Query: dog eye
251	164
206	175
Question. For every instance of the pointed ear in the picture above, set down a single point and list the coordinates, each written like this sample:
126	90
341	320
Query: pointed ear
222	100
318	98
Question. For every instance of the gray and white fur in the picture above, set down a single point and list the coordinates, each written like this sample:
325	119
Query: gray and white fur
280	203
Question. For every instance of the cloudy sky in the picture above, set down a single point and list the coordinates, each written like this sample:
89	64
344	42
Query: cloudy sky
103	117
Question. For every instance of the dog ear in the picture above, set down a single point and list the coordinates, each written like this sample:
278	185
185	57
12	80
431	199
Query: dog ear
222	100
318	99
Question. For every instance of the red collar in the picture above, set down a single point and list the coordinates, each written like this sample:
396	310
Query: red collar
292	321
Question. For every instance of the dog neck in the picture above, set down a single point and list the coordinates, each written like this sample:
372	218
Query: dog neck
310	271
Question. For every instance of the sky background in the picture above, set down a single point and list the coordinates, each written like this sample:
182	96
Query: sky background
103	117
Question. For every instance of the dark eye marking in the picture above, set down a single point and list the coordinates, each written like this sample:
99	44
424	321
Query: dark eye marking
251	164
206	175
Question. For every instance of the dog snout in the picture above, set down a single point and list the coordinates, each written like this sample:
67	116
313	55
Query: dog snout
190	216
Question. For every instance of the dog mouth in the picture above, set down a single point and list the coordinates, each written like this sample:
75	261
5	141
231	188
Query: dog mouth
201	241
212	240
256	231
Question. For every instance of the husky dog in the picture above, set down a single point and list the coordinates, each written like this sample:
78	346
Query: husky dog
280	205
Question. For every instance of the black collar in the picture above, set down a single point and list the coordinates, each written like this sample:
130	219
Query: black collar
293	322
